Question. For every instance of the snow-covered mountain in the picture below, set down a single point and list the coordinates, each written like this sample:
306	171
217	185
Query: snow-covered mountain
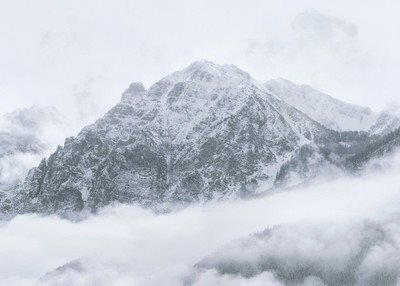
333	113
204	133
25	137
388	121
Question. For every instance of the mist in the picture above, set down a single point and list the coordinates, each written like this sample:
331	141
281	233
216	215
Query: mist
126	245
27	135
78	57
81	58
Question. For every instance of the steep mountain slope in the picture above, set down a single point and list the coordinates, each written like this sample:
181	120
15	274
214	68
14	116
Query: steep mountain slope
333	113
203	133
379	148
388	121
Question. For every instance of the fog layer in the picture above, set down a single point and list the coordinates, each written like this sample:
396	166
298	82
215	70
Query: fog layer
127	245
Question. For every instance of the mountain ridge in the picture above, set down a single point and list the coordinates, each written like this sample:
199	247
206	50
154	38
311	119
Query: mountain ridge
337	115
207	132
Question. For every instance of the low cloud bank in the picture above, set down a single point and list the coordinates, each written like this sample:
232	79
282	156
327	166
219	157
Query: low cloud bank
319	227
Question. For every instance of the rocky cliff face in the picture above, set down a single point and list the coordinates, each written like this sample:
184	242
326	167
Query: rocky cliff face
204	133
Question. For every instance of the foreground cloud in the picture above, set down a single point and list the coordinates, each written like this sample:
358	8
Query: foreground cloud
323	228
332	253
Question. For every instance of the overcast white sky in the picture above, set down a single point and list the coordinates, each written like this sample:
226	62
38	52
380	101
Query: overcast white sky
80	55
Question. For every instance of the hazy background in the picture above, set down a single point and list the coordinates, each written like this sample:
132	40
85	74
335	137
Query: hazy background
80	55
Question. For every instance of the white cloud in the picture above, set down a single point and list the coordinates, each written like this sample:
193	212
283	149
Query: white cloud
127	245
45	56
28	135
331	54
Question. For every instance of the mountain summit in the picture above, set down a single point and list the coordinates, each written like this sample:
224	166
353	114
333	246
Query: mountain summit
206	132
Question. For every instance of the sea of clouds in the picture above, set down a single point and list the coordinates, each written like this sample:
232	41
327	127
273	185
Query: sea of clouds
322	227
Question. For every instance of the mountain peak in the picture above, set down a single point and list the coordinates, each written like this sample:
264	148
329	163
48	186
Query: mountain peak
201	64
207	71
203	133
202	70
134	89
